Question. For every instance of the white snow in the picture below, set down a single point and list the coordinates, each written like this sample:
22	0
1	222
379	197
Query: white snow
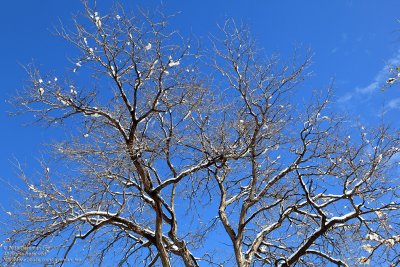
173	63
390	242
113	70
368	248
187	115
373	236
97	21
148	46
72	90
391	80
62	101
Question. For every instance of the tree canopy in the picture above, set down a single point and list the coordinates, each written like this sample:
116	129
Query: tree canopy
182	156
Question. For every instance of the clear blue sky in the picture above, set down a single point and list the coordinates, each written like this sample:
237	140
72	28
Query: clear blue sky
352	41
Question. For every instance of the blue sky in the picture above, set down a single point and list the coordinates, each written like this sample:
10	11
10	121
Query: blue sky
353	41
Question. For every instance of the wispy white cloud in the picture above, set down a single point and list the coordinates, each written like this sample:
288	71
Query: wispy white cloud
346	97
371	87
394	104
378	81
343	41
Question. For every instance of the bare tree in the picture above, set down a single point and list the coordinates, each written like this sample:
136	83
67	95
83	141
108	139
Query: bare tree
171	148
